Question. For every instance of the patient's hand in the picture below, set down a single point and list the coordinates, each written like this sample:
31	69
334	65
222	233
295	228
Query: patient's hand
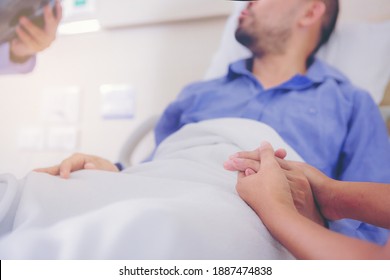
78	162
249	163
267	191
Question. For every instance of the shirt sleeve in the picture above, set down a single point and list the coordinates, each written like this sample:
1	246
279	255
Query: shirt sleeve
366	151
171	119
9	67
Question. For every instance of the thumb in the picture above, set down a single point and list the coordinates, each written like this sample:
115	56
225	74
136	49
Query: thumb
267	155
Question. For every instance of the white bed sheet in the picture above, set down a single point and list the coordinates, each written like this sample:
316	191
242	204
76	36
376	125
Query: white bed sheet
182	205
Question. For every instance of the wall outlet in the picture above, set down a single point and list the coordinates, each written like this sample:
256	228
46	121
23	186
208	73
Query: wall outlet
31	138
62	138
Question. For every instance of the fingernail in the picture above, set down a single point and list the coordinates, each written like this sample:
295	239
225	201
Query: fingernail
249	172
63	175
264	144
228	165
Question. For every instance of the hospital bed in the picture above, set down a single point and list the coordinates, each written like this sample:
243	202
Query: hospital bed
181	205
359	50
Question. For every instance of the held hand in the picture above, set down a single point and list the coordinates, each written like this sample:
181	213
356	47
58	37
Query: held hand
32	39
267	190
248	161
78	162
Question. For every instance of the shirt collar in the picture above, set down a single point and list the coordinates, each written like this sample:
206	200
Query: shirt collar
240	68
317	72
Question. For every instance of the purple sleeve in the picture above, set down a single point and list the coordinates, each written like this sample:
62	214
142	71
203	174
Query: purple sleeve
9	67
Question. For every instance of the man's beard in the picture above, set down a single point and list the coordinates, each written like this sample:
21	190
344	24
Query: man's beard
244	38
265	41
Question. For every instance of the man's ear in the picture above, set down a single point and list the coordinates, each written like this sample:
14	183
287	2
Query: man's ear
313	13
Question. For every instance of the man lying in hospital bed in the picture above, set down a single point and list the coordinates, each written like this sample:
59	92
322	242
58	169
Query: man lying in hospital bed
183	203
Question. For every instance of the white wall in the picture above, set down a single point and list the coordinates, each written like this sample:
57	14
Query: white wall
158	60
357	10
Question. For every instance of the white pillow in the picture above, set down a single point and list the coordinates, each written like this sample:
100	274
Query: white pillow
229	49
360	50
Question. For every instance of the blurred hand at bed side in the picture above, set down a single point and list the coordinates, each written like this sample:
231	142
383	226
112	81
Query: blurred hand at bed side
248	163
32	39
78	162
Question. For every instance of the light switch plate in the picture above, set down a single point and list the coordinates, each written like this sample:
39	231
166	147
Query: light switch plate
62	138
61	104
118	101
31	138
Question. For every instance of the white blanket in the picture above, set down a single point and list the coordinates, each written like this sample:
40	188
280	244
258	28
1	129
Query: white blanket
181	205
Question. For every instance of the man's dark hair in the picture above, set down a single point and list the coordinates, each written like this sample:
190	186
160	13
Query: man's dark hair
329	21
